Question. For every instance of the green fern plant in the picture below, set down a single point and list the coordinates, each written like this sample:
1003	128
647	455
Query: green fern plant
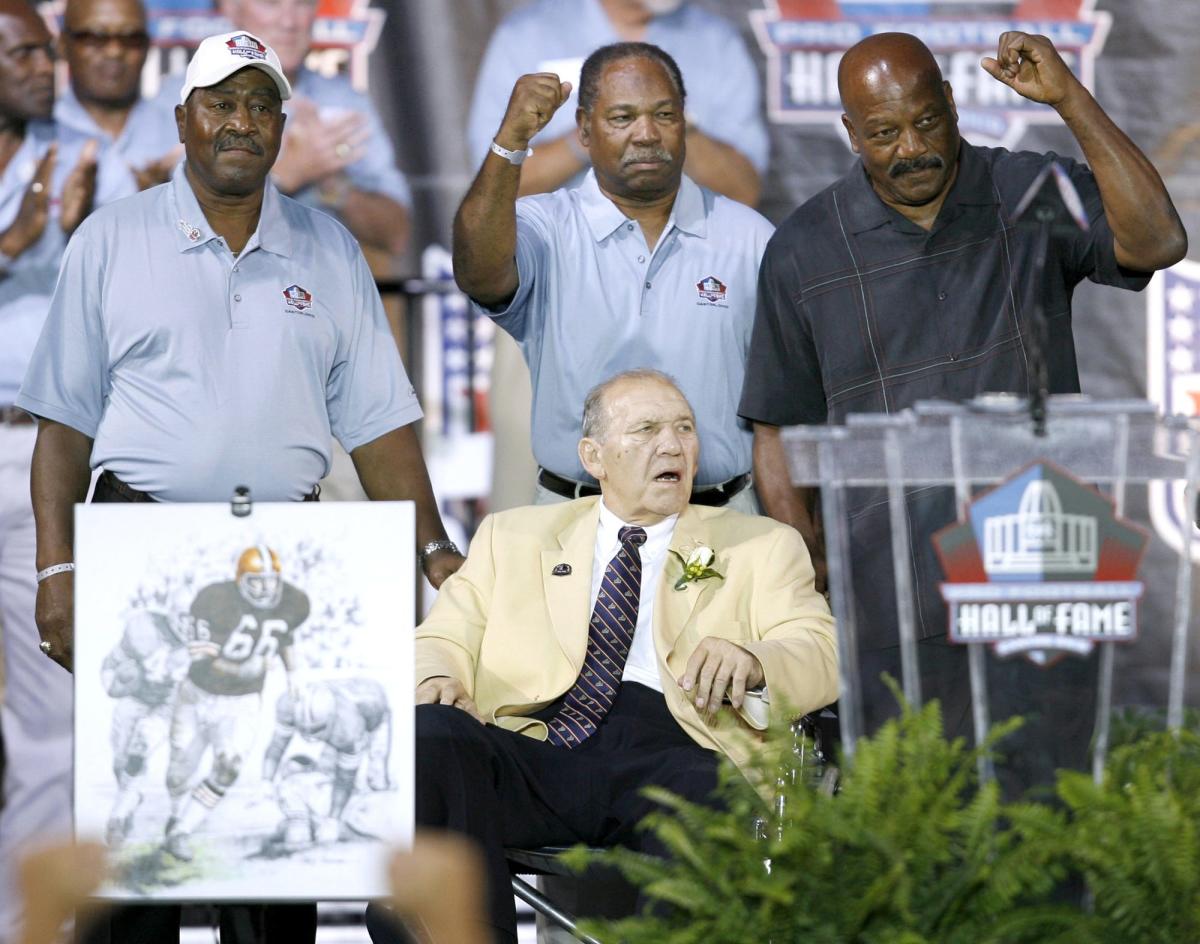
910	851
1135	838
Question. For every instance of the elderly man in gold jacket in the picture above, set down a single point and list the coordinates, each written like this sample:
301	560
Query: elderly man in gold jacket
590	649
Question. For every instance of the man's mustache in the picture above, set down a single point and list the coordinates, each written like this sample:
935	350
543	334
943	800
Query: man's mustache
901	167
643	157
241	143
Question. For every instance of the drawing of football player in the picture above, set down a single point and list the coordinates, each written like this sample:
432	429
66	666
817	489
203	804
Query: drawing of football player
142	673
238	627
351	718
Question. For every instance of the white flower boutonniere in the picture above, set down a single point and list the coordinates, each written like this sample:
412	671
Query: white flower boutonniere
696	566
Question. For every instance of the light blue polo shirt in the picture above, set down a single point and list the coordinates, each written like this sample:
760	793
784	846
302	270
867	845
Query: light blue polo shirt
723	88
148	135
374	172
196	371
594	301
28	282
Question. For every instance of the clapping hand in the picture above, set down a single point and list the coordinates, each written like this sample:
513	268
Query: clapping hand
30	222
79	188
315	148
158	171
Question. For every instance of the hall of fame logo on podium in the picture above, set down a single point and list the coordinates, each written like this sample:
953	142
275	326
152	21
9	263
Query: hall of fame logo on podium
1042	567
1173	384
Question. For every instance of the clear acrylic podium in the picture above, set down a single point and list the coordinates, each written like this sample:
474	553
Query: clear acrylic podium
1112	445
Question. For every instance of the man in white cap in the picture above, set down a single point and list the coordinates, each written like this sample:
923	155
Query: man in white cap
336	155
265	339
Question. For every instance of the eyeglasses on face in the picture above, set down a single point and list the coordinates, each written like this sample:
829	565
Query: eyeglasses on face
129	42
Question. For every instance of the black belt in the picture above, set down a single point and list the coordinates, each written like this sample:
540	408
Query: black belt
712	495
114	486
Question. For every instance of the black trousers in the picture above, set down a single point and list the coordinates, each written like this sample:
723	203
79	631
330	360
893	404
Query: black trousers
505	789
159	924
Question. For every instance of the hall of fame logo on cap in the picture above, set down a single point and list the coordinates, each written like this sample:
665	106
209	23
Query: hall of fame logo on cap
712	290
1173	383
245	46
297	299
1041	566
803	41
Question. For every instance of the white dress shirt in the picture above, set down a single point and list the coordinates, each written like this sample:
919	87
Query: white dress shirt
642	664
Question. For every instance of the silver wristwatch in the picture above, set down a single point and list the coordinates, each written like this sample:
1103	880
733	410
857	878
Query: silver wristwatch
434	546
516	158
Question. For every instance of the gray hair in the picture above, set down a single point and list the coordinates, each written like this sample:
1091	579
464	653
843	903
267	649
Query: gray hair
595	404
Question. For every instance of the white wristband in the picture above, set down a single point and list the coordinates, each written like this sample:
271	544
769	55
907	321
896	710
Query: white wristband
516	158
52	570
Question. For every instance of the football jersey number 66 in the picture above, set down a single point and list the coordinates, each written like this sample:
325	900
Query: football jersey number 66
249	639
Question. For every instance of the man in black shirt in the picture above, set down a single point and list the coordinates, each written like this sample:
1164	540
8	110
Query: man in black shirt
907	280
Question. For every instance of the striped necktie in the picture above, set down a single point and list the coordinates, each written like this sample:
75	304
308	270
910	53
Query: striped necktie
610	633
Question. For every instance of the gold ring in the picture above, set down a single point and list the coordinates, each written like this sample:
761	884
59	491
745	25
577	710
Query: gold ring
37	186
342	149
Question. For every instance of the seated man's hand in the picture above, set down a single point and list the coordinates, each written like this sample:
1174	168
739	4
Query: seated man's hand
443	690
713	668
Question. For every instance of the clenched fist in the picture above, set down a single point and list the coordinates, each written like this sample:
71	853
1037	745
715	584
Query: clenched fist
534	100
1032	67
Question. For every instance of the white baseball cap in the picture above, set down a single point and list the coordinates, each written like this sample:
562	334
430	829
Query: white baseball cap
219	57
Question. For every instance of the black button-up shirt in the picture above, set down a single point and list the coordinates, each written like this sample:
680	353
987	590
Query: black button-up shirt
860	310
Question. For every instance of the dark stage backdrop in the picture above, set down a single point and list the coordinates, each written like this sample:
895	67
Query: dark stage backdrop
1140	57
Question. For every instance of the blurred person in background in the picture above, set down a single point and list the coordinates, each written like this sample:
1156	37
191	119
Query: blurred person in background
46	189
105	43
336	155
